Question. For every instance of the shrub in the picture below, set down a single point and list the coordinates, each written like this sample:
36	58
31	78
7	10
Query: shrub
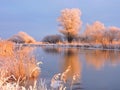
52	39
22	37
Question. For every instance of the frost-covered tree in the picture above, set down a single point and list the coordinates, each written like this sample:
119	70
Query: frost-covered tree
70	23
95	31
112	33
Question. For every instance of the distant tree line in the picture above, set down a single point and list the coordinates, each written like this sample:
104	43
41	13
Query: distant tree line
70	24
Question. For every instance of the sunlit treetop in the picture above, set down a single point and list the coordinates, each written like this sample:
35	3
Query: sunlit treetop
70	22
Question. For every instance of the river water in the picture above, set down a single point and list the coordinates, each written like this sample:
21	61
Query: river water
80	69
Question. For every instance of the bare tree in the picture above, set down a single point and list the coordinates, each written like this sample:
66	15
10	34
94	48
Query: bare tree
52	38
70	23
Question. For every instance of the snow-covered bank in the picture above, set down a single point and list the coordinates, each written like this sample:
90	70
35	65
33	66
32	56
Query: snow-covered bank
71	45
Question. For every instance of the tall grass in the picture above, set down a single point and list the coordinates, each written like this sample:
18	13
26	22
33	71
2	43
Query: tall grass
17	66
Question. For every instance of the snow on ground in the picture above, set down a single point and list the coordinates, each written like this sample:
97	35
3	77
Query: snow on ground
75	45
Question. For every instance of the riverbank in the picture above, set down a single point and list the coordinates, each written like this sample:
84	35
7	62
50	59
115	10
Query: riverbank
75	45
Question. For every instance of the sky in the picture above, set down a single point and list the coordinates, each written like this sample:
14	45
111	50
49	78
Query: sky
38	18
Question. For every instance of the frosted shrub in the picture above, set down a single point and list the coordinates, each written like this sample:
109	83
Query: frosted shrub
22	37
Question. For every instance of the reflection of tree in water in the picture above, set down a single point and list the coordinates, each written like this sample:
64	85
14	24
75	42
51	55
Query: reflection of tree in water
98	58
52	50
69	78
71	59
71	67
114	57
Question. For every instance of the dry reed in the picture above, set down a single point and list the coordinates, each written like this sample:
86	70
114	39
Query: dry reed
17	65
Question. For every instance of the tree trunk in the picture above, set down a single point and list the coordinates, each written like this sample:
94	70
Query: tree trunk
70	39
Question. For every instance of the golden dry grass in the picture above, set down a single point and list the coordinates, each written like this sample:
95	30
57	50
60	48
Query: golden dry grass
18	64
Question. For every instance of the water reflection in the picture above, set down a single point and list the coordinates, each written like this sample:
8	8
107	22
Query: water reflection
95	58
52	50
71	61
70	75
99	58
73	66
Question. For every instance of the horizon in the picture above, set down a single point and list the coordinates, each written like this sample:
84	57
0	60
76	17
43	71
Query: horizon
39	18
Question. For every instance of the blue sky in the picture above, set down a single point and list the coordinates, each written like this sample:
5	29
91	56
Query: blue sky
39	17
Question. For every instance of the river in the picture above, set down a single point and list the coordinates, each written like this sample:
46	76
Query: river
80	69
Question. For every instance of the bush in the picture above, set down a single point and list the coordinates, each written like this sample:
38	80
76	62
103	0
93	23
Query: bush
22	37
52	39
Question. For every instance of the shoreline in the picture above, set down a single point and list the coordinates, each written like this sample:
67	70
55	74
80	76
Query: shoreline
81	46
